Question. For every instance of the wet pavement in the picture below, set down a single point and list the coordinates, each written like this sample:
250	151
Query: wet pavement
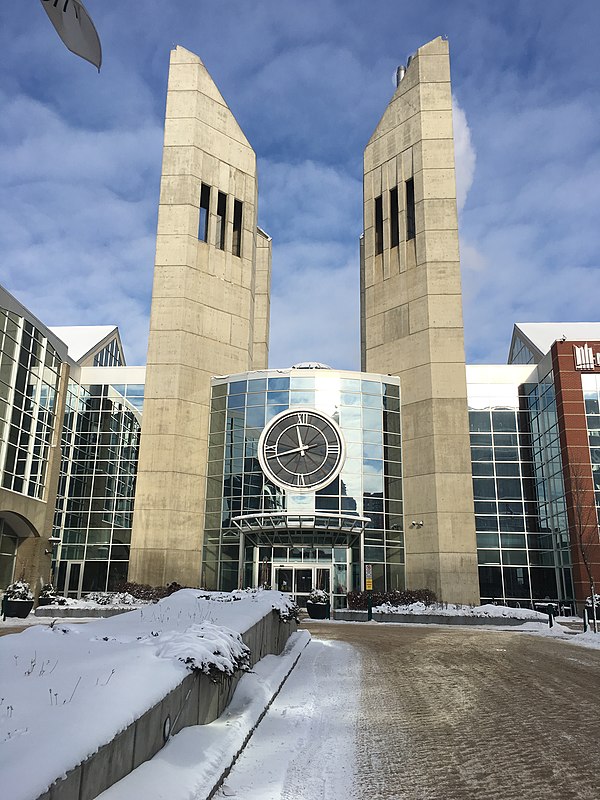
463	713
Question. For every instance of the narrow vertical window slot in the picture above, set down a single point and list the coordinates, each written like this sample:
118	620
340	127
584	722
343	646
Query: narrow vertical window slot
410	209
236	247
221	217
394	223
378	225
204	206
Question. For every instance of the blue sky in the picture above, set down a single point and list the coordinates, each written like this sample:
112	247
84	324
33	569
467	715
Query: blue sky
308	80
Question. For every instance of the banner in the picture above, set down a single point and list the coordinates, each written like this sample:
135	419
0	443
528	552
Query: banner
75	28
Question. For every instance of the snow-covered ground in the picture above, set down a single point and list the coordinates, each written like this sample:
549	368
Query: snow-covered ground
305	746
67	689
192	762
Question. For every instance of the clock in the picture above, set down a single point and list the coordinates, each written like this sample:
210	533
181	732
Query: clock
301	449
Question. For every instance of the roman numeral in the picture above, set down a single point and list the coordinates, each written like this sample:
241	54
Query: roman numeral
300	480
271	451
303	418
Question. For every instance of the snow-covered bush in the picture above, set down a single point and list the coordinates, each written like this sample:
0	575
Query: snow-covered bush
358	601
19	590
150	594
112	599
318	596
48	595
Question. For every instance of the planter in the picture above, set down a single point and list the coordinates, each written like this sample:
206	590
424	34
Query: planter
16	608
47	601
318	610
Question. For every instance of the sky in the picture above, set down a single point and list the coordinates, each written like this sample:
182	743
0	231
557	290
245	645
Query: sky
308	80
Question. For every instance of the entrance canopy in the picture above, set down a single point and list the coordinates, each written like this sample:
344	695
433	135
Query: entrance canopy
285	528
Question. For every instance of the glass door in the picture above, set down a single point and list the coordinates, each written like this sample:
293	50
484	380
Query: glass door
74	578
299	580
303	583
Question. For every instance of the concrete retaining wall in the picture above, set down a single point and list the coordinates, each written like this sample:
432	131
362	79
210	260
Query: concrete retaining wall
68	612
196	701
428	619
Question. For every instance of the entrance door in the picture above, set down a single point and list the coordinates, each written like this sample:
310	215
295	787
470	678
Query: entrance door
73	579
299	579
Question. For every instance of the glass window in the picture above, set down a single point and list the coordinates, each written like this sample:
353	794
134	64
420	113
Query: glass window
506	454
410	209
482	468
512	540
490	582
504	421
483	489
479	421
508	488
378	225
279	384
237	387
487	540
488	556
507	470
204	212
371	387
516	581
486	524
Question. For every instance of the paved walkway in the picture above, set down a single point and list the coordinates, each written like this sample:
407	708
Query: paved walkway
447	713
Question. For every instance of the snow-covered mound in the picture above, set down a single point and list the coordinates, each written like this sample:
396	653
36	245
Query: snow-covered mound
452	610
67	689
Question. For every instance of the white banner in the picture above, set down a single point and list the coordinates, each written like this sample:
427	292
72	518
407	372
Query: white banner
75	28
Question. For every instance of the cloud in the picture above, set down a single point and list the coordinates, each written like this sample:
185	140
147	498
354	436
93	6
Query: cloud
464	154
77	238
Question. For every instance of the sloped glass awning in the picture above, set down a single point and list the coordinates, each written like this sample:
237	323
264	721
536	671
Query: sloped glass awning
287	529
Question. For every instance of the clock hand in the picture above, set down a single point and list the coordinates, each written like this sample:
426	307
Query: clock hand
294	450
300	439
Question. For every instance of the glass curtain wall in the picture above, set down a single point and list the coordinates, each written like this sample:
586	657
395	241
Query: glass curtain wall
29	376
109	356
94	510
517	502
591	393
553	534
370	484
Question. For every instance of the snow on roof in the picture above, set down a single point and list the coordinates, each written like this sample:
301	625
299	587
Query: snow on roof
543	334
80	339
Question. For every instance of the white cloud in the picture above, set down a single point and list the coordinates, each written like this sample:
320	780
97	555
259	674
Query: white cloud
464	154
77	237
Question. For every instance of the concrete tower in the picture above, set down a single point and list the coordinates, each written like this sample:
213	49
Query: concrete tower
411	319
202	319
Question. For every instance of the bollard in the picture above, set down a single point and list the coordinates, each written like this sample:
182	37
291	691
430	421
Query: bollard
369	606
550	616
585	619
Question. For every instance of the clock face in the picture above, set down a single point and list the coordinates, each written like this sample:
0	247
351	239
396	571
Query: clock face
301	449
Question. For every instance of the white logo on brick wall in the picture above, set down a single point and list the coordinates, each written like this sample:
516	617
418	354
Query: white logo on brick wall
585	358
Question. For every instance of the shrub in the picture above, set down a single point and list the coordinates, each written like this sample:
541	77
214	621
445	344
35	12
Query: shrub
151	594
48	593
19	590
318	596
358	601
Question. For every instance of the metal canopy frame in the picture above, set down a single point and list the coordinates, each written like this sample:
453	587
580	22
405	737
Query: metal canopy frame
287	528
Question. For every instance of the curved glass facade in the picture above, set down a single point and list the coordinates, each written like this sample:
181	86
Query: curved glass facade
333	532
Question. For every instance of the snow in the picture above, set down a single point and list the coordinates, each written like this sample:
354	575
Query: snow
452	610
108	672
191	763
305	747
80	339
